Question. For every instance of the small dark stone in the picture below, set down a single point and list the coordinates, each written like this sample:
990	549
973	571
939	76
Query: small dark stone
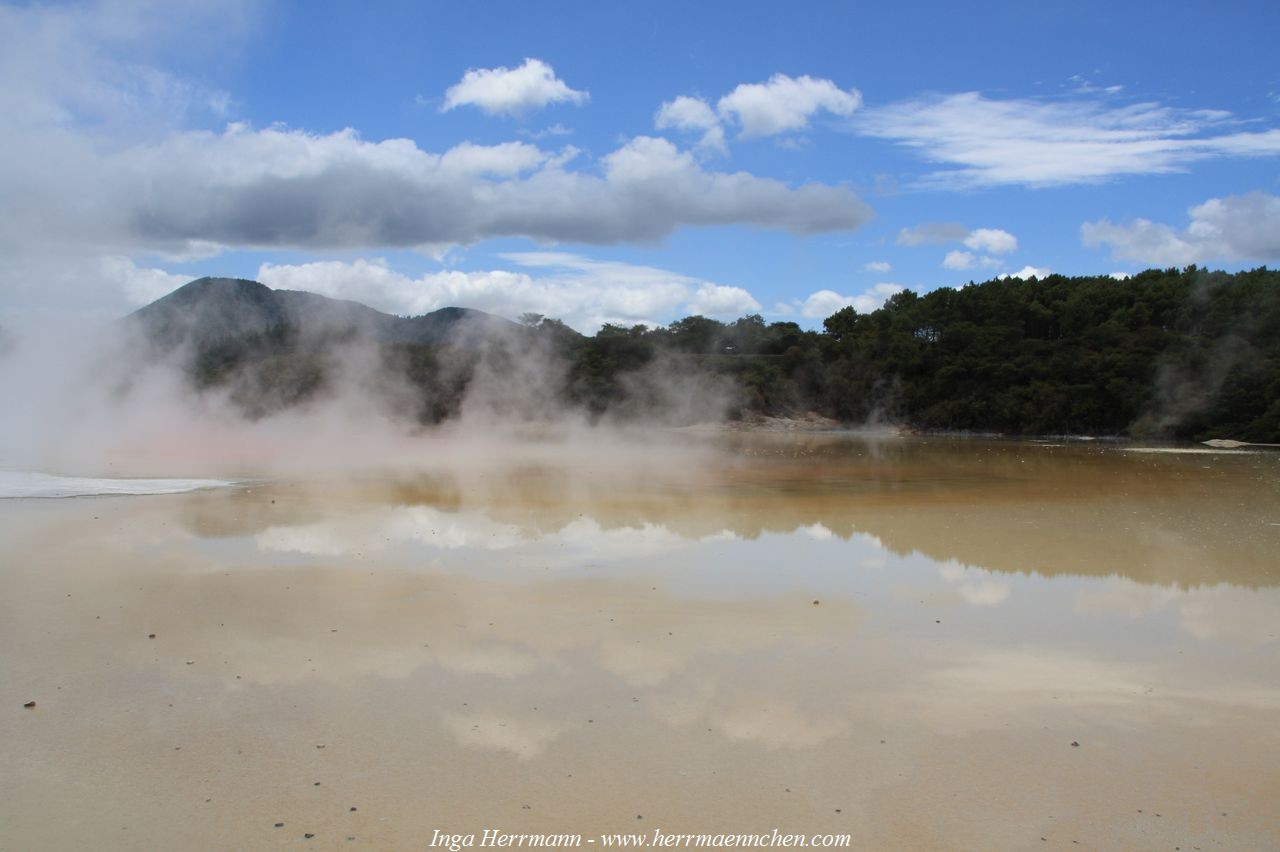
639	816
29	704
279	825
308	836
352	810
815	603
1075	744
151	635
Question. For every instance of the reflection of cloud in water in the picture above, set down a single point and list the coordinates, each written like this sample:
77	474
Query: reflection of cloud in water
779	724
817	531
975	586
986	687
377	530
525	738
1219	613
493	659
374	531
755	717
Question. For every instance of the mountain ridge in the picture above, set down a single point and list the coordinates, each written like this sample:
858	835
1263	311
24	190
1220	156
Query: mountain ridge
211	310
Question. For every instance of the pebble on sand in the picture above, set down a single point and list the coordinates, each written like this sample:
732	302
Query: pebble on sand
29	704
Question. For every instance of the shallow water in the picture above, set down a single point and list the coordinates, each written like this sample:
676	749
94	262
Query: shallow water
919	643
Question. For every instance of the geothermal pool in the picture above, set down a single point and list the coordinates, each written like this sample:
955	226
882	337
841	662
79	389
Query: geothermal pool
920	643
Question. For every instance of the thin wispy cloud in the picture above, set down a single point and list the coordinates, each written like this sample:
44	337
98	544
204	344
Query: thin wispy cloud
980	141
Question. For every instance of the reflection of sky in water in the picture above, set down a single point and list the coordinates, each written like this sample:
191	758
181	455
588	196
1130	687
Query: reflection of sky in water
554	633
812	560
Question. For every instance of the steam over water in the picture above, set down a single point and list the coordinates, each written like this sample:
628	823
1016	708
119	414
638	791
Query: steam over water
920	643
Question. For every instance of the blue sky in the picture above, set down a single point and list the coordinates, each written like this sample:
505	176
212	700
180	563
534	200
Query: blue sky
608	162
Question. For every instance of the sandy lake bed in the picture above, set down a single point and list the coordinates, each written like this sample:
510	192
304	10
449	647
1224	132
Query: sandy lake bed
920	643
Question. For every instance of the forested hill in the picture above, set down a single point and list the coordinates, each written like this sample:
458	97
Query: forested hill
1175	353
1188	354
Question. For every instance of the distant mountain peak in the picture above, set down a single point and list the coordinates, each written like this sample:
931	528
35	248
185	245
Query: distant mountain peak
214	309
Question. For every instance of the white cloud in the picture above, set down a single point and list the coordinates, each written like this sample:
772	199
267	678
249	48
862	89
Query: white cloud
985	141
511	91
506	159
140	285
583	292
287	188
720	300
991	240
784	104
1028	272
686	113
877	266
1231	228
933	233
97	163
96	63
824	303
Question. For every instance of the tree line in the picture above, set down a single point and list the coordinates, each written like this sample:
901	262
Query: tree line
1176	353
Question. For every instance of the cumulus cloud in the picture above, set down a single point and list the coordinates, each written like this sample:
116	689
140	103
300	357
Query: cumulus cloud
1027	272
692	114
1231	228
721	300
967	260
784	104
583	292
991	240
686	113
101	161
988	142
287	188
824	303
140	285
988	240
511	91
877	266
